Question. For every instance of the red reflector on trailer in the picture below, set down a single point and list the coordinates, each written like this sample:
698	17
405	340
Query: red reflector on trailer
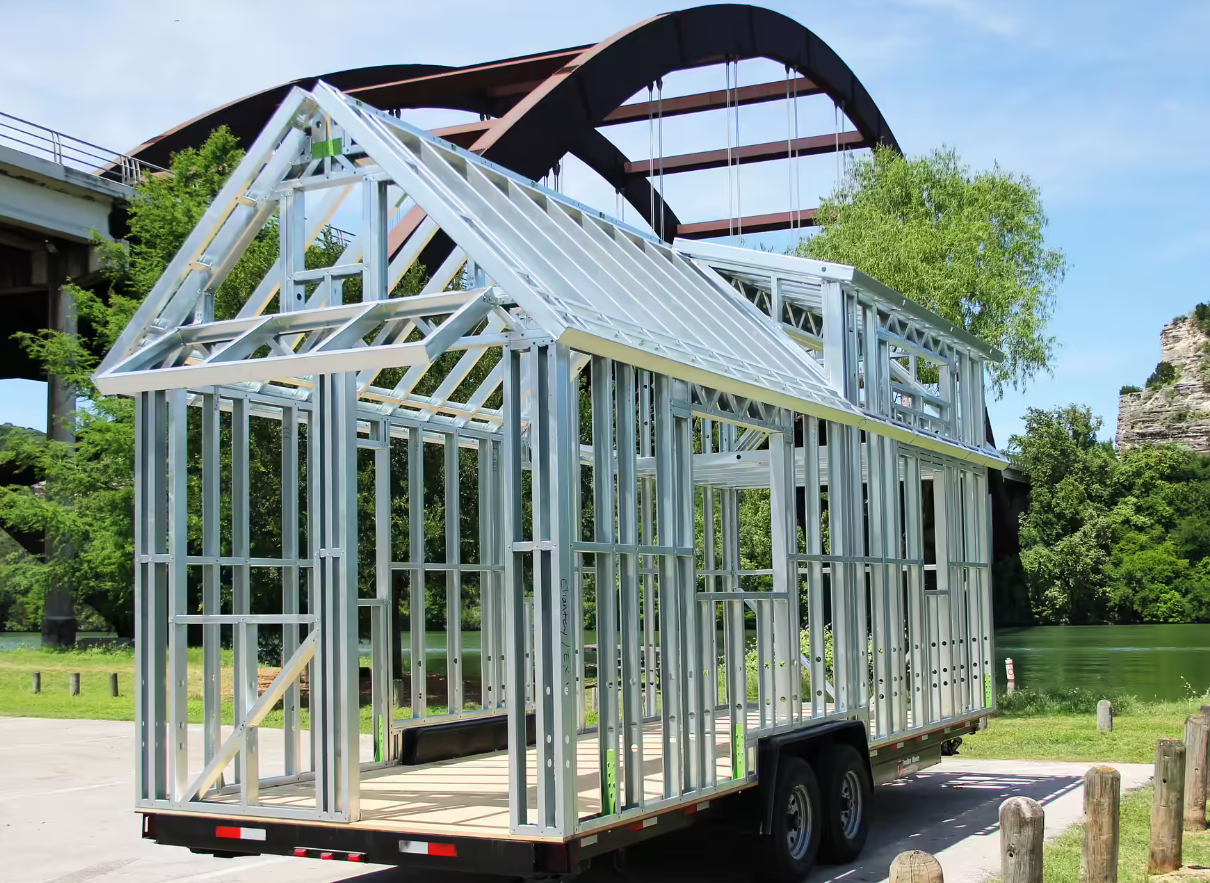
334	856
646	823
230	832
424	847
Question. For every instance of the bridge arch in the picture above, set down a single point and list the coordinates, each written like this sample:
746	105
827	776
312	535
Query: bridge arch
538	108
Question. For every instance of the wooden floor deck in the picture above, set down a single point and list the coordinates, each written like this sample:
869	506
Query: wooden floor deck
468	796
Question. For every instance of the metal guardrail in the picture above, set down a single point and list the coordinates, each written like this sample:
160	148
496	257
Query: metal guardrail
74	152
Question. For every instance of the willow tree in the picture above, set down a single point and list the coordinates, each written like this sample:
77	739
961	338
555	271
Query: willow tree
969	246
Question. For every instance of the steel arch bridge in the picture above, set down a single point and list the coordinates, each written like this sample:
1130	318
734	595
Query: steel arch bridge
536	109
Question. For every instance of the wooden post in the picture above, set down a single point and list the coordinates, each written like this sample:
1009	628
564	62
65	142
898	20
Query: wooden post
1011	676
1104	716
1206	715
1197	755
1022	824
1167	807
113	684
1102	806
75	683
915	867
37	682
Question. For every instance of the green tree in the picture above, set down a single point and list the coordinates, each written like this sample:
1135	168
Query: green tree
1065	538
969	246
93	508
1112	536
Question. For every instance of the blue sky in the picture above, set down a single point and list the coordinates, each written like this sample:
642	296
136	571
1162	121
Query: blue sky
1104	105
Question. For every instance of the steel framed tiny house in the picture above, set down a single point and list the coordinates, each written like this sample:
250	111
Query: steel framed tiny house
623	409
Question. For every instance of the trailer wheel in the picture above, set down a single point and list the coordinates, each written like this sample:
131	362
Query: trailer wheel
793	843
847	792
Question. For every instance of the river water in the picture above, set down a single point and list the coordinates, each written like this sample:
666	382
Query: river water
1148	661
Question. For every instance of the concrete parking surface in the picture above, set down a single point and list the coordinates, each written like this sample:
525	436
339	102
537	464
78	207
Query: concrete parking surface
66	798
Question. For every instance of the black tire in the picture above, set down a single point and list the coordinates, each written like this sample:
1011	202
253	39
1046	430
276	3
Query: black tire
847	794
793	843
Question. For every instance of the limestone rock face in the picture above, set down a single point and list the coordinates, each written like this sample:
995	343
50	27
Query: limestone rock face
1178	413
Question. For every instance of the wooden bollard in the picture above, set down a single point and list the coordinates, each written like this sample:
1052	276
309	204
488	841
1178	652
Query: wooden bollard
1206	715
1022	824
36	686
915	867
75	683
1167	807
113	684
1197	756
1102	808
1104	716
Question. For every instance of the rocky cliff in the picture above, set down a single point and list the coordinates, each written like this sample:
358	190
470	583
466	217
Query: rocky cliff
1176	410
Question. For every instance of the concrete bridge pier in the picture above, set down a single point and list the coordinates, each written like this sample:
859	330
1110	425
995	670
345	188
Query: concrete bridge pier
67	261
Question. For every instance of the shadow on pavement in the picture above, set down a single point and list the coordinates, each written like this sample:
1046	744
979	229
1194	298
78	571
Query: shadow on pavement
929	811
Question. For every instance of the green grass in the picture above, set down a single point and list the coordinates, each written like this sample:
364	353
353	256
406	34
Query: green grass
1063	726
1061	860
94	701
1030	726
94	666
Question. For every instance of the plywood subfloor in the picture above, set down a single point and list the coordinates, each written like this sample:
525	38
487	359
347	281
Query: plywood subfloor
469	796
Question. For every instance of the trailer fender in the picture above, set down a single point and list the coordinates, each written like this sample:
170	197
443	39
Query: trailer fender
806	743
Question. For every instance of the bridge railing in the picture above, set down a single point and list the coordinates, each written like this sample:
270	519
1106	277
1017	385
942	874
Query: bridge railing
73	152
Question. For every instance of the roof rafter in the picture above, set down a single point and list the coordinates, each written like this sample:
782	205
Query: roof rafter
546	268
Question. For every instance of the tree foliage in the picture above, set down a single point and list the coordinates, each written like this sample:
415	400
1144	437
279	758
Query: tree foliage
1165	374
1201	315
1111	536
969	246
92	509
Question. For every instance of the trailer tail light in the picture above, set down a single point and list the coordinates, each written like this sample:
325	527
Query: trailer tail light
425	847
329	855
231	832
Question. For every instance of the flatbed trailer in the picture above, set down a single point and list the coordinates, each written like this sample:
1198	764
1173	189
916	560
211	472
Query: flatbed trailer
575	434
452	815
